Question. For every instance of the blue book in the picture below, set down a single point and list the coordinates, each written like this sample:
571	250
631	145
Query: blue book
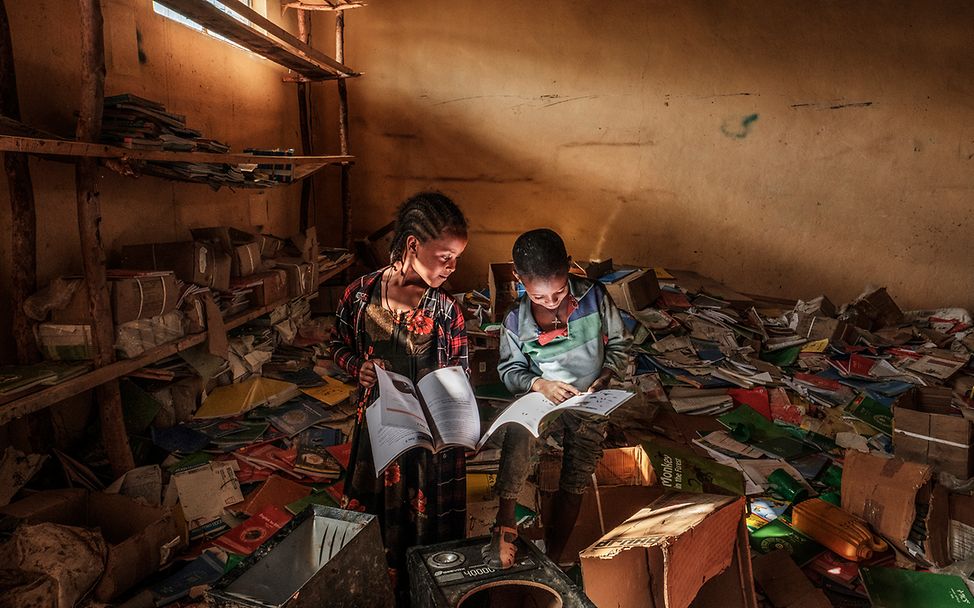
203	570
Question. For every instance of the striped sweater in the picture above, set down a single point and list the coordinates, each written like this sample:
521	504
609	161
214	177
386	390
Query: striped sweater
596	339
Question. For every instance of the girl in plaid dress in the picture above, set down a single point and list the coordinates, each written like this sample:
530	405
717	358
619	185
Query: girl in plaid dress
399	319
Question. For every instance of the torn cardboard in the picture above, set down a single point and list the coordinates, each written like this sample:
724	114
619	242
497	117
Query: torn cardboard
682	550
885	493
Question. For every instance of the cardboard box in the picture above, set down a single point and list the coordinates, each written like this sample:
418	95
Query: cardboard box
597	268
245	260
131	299
373	250
599	513
242	247
635	291
873	310
884	493
961	529
144	297
270	245
191	261
140	538
267	287
625	467
628	466
302	277
926	429
682	550
503	289
483	366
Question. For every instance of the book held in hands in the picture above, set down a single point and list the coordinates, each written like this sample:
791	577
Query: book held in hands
440	411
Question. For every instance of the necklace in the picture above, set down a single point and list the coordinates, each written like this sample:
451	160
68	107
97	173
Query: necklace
556	321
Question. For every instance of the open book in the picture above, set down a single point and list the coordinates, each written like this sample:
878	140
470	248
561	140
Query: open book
440	411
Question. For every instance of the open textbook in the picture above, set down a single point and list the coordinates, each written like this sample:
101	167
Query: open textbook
440	411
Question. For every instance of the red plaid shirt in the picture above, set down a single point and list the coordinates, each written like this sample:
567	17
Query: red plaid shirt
349	349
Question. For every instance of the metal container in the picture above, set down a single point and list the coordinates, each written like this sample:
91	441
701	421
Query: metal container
323	557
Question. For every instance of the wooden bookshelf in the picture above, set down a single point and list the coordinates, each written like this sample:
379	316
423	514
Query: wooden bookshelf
262	36
301	166
66	147
48	396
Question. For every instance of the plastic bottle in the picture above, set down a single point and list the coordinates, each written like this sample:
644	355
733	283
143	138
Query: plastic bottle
836	529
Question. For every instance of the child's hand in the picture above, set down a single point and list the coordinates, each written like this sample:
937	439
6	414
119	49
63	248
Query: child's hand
555	391
601	382
366	373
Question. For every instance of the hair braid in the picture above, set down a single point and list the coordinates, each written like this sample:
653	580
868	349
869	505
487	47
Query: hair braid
426	216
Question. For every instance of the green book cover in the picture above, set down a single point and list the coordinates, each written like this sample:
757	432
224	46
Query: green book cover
682	470
898	588
754	429
779	535
873	413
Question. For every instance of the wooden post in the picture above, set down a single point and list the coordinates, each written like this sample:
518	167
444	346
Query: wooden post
23	225
343	132
308	211
109	398
23	234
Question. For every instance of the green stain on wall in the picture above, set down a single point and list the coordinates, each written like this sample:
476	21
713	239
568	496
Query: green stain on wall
739	131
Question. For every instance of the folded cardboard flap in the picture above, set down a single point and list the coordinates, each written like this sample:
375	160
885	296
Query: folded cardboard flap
884	493
668	552
141	538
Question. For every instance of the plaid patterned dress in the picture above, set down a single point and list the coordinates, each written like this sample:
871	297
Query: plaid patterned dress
421	497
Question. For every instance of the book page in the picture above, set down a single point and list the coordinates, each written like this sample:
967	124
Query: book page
452	406
388	441
531	409
399	402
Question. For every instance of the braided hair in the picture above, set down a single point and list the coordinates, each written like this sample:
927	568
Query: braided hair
426	216
540	254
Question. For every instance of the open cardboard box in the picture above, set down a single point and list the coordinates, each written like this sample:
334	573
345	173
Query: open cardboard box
140	538
928	430
884	492
601	511
681	550
635	291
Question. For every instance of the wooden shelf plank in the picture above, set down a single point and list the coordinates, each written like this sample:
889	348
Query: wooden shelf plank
49	396
57	147
273	43
323	5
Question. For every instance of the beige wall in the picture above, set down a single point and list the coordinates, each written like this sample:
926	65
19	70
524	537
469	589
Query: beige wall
228	93
625	126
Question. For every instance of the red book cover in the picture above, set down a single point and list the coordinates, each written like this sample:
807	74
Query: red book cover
251	534
342	453
820	382
756	398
